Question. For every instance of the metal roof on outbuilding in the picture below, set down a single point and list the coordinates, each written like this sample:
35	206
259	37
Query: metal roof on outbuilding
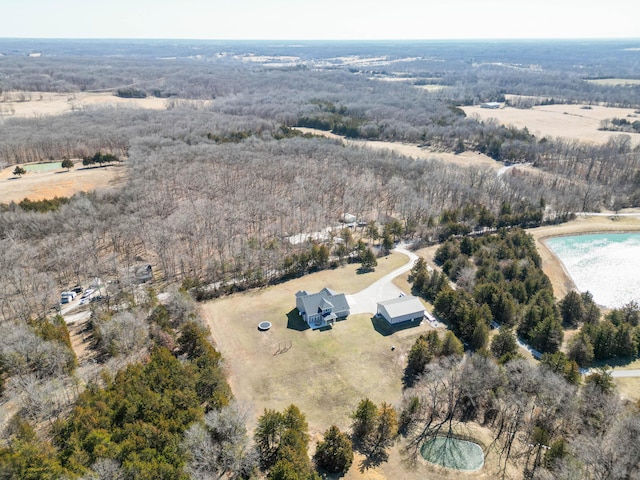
398	307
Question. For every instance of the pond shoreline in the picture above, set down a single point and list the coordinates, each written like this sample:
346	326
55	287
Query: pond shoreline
553	266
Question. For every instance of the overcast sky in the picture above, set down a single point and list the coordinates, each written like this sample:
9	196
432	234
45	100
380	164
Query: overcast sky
325	19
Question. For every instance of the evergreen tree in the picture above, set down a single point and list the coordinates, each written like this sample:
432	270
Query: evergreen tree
504	343
67	163
25	456
387	428
581	350
422	352
282	440
571	309
451	345
334	453
365	419
368	259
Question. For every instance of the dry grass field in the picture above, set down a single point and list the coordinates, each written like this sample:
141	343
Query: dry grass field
37	104
616	81
566	121
324	372
464	159
60	183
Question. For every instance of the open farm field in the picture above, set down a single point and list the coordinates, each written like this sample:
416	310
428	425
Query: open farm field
566	121
615	81
40	185
464	159
36	104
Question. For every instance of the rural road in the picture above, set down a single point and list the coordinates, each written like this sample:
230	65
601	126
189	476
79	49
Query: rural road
365	300
607	214
625	373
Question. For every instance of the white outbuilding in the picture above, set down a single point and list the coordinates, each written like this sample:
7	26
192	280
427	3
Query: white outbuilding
492	105
402	309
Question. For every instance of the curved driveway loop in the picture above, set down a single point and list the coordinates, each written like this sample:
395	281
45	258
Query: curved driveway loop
365	301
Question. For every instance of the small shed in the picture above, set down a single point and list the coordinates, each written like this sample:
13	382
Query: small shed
349	218
490	105
402	309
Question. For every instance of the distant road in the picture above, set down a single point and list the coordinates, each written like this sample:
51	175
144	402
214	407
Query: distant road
625	373
610	214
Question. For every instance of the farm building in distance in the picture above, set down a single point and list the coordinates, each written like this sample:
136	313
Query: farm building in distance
490	105
401	309
323	308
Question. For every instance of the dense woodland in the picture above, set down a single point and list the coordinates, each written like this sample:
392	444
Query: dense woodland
537	413
219	183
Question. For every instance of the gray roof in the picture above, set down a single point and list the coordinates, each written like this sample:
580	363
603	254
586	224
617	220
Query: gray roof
314	302
397	307
325	304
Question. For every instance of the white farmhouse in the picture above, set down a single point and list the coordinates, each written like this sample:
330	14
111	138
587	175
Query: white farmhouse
323	308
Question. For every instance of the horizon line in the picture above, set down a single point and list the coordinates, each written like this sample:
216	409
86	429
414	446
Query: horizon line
473	39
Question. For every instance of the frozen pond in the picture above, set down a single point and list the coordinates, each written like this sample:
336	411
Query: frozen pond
605	264
453	453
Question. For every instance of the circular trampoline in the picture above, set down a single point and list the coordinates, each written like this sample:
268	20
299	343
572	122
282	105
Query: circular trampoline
264	326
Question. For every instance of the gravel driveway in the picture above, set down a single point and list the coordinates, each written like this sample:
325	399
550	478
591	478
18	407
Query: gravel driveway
365	300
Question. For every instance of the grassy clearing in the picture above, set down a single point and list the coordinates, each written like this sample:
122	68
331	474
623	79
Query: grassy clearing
43	167
325	372
42	182
615	81
628	388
